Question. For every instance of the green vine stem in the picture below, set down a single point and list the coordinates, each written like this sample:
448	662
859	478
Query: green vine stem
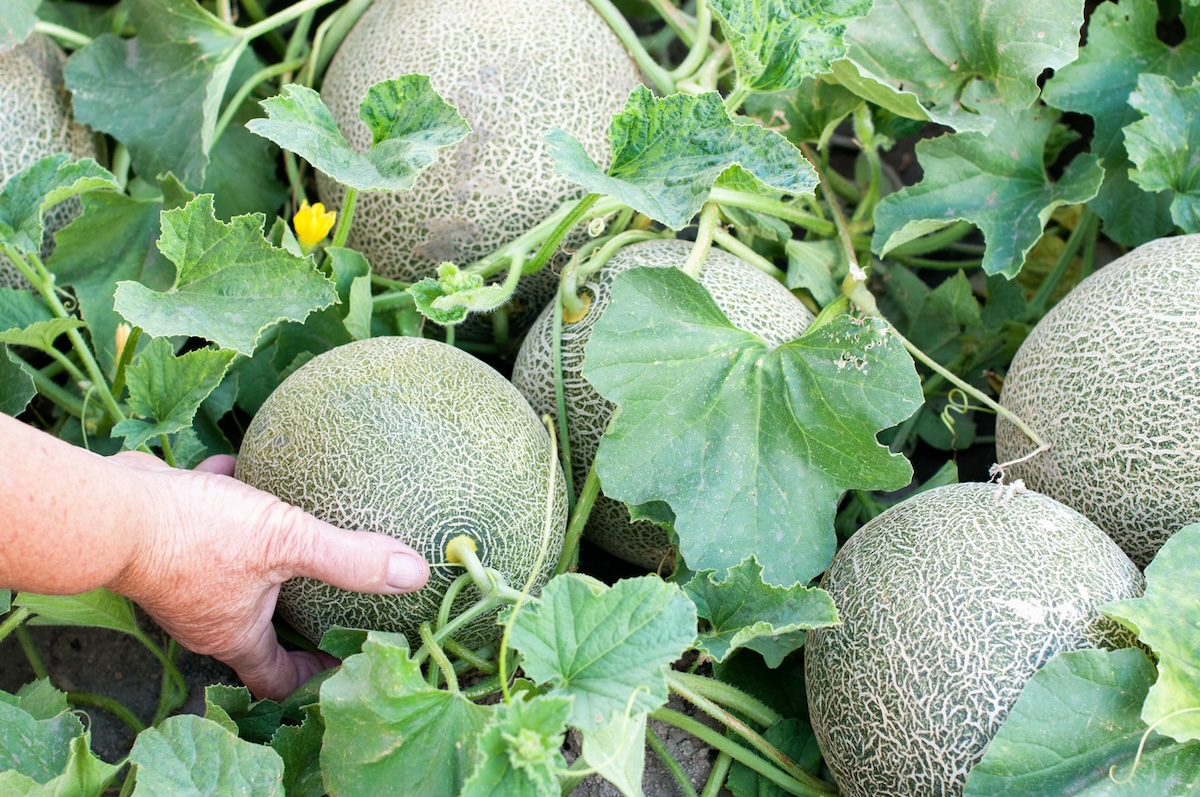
13	621
254	10
731	244
934	241
579	517
25	640
468	656
345	217
650	68
498	260
112	706
774	207
739	727
699	46
718	775
810	787
729	696
439	657
71	38
257	79
1085	229
710	217
669	761
329	37
281	18
579	268
560	397
683	25
449	596
52	390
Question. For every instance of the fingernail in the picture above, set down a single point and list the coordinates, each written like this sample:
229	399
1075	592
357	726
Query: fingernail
405	572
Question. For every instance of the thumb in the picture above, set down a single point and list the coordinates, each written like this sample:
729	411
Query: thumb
360	561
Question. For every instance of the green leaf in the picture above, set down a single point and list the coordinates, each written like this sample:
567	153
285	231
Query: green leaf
941	52
16	22
520	753
28	194
98	608
668	153
385	725
409	123
606	647
743	611
1075	719
808	114
42	700
1165	619
16	387
996	181
1162	143
300	748
35	748
165	391
1122	44
111	240
255	720
20	308
158	93
773	435
230	283
5	600
617	751
40	334
778	43
84	775
189	756
449	298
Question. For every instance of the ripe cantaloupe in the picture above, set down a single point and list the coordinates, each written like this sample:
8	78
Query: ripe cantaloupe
949	602
753	301
36	121
1110	378
416	439
514	70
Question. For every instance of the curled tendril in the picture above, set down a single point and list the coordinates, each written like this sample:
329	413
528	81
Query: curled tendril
1137	759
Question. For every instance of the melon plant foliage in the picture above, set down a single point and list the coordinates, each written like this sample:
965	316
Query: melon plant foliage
1049	136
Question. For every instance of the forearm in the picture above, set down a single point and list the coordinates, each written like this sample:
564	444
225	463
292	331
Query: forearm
69	520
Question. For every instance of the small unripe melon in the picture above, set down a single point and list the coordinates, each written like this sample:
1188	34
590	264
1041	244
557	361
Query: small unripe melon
514	70
36	121
753	301
949	602
1110	379
416	439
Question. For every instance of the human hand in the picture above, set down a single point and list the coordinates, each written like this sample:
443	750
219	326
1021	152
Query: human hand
209	564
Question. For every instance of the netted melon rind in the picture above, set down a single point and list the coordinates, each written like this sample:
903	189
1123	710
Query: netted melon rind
949	602
416	439
514	74
1110	378
36	121
753	301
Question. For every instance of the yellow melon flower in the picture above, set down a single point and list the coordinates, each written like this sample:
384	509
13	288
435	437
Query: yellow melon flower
312	223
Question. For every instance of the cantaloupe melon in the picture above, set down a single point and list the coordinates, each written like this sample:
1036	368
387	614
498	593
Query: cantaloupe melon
514	70
949	602
753	301
1110	378
416	439
36	121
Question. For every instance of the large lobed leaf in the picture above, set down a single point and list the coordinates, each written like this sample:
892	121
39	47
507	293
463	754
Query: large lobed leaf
1077	720
607	647
935	54
409	123
750	446
997	181
1165	619
28	194
384	725
743	611
230	284
668	153
190	756
17	19
158	93
1163	145
1122	44
778	43
520	754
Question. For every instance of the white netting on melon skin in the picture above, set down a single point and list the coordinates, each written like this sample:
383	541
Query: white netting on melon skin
36	121
949	602
443	444
753	301
1110	378
514	74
